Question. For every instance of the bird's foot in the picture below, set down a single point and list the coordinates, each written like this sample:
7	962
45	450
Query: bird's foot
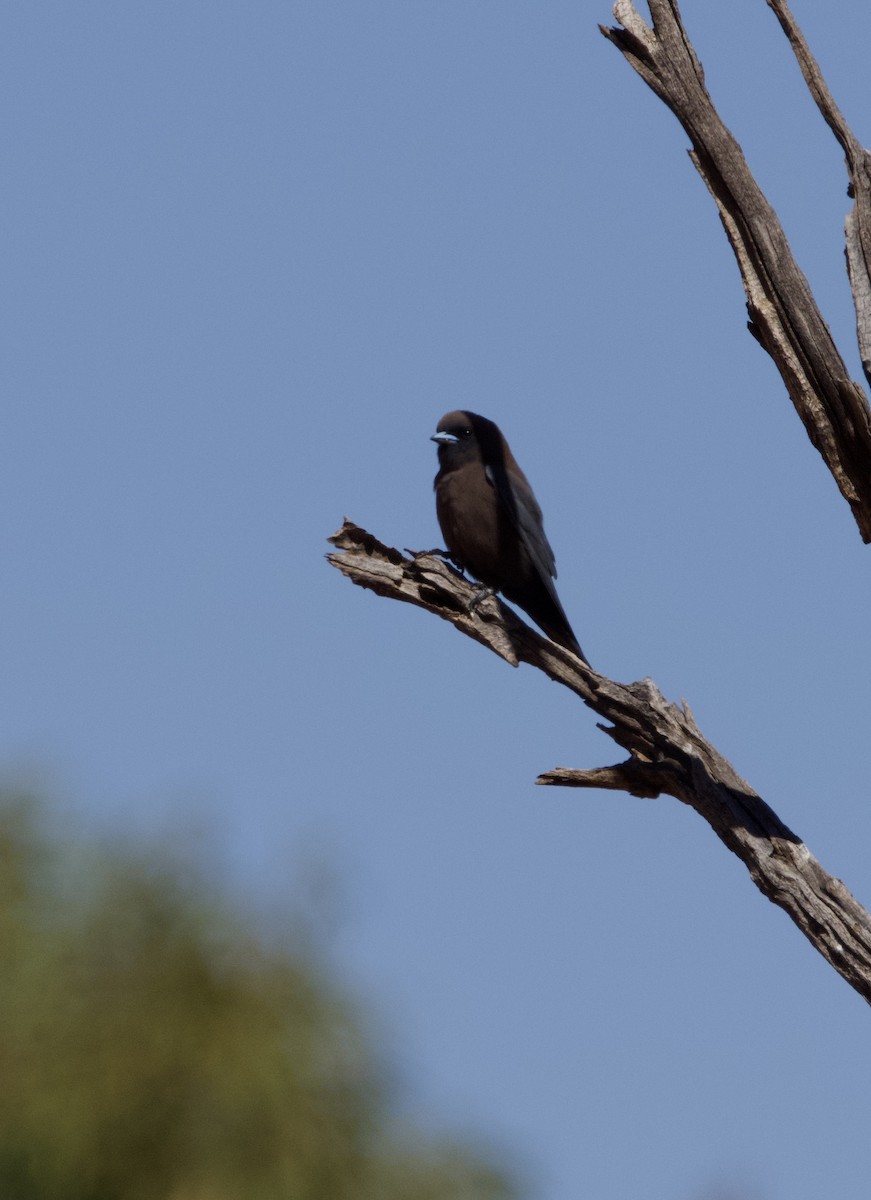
427	553
456	567
482	594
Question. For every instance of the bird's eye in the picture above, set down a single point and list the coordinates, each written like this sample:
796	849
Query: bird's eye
466	433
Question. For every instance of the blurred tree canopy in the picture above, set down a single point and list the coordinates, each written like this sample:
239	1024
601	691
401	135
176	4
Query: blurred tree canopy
152	1044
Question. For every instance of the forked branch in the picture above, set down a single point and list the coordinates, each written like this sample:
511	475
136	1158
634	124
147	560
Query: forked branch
858	223
784	316
667	752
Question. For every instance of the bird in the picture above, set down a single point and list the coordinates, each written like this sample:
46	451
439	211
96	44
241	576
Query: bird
492	524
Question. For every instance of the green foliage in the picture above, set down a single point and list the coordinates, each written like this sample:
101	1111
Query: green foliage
153	1047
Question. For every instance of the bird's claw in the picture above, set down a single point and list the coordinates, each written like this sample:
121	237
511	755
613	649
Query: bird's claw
446	555
482	594
427	553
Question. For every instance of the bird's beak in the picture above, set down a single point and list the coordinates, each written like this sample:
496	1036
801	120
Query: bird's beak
444	439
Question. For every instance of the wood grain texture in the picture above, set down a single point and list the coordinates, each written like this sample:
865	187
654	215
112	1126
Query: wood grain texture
783	314
667	751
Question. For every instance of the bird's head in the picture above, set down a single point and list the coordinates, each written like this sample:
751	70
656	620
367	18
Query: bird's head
465	437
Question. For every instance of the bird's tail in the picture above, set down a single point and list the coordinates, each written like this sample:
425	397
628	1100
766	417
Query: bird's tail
563	635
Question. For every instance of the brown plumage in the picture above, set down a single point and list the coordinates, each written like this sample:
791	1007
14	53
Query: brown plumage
492	524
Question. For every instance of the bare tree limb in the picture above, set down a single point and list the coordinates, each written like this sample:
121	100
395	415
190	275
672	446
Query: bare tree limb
784	316
667	751
858	223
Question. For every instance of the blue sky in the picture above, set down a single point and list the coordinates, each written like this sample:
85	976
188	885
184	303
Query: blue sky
252	253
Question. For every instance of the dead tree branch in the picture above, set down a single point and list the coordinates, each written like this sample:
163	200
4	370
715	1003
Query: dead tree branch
858	223
667	752
783	314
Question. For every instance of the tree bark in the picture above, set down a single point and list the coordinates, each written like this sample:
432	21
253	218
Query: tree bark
858	161
784	317
667	751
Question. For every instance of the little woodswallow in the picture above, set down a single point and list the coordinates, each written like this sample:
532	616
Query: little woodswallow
492	524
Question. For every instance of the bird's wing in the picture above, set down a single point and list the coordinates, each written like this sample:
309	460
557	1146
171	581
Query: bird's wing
516	497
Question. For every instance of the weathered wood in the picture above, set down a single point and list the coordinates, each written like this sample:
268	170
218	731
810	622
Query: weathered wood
784	317
858	222
667	751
